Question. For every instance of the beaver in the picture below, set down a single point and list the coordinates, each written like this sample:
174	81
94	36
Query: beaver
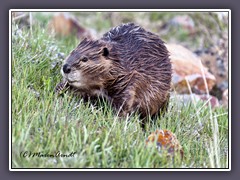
128	66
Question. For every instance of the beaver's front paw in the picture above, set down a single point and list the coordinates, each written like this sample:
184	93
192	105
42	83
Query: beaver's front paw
61	87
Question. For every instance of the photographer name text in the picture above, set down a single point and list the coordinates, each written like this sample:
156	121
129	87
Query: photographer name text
58	154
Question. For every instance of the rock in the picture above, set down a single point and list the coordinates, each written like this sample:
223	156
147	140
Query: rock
165	141
187	66
185	99
222	16
216	61
64	25
179	22
218	89
212	100
215	58
21	18
225	98
184	21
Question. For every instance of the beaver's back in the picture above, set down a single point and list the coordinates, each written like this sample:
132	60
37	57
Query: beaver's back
137	48
142	51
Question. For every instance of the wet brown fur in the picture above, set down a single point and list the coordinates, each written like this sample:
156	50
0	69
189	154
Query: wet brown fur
134	77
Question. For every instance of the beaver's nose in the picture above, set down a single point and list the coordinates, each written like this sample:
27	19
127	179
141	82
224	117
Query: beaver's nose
66	68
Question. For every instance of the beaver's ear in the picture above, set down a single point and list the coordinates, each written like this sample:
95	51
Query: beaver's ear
105	51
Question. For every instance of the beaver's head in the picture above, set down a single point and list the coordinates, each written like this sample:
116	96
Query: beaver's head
86	66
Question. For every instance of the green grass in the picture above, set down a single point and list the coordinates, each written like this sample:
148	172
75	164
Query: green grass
43	122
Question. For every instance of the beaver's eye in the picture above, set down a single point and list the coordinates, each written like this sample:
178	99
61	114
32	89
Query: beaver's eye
105	51
84	59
